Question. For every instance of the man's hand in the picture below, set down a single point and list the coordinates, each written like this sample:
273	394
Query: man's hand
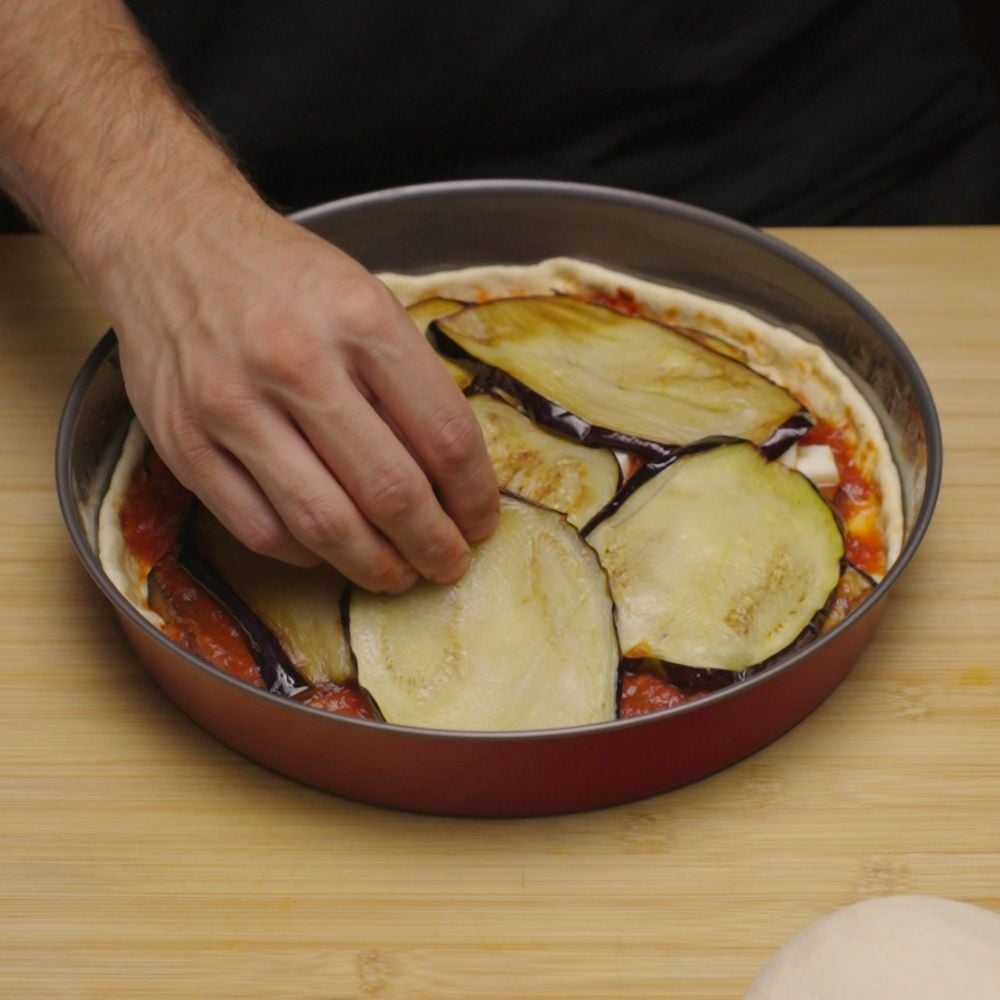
279	380
284	385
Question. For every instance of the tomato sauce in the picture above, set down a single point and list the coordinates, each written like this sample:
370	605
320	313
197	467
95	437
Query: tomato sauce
341	699
642	693
151	514
196	620
857	500
622	301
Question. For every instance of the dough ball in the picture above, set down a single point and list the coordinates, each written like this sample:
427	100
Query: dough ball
912	947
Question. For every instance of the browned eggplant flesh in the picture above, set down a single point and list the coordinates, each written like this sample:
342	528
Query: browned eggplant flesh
548	468
630	382
424	313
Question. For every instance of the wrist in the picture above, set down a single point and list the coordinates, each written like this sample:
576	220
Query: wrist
156	221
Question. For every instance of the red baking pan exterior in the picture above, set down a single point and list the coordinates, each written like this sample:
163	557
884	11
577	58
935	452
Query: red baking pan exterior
437	226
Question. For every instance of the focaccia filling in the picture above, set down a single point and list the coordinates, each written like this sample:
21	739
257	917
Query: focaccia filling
689	493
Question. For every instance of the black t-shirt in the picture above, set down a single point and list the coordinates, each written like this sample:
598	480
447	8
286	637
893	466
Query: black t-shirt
786	111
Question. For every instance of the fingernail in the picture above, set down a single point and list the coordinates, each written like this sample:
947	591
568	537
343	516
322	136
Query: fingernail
484	528
403	582
455	571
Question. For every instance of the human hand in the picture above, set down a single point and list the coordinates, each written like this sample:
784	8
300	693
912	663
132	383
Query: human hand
276	377
285	386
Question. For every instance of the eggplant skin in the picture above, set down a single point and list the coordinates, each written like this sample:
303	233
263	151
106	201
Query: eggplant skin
197	621
300	607
617	374
783	437
718	560
276	669
557	418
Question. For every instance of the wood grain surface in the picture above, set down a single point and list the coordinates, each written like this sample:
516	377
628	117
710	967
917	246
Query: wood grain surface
140	858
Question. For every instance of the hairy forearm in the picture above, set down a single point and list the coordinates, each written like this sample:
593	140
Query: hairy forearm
94	143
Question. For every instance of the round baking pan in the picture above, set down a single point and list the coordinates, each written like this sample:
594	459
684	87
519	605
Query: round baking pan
437	226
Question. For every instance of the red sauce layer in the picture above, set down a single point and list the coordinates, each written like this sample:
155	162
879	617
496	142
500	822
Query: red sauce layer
643	693
151	513
622	301
341	699
196	620
857	500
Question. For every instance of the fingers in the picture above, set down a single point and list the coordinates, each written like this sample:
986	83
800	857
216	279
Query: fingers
363	488
284	504
422	401
324	423
231	494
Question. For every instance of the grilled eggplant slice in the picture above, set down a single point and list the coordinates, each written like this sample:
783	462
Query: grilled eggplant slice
525	640
551	470
424	313
300	607
196	620
853	589
275	668
637	379
719	560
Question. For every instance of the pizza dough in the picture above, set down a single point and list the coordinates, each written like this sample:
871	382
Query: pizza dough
890	948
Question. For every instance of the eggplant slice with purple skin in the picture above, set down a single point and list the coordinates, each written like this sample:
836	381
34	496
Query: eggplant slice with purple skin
291	615
548	468
276	670
423	313
719	559
611	379
525	640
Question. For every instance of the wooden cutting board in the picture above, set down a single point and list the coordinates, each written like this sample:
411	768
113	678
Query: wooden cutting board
140	858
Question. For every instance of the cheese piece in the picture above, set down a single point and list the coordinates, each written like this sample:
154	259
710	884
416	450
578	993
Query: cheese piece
816	462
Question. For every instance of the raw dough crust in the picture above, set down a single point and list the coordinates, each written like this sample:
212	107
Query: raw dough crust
889	948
